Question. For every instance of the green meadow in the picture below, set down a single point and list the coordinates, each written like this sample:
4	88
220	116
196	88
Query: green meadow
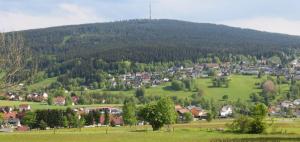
195	132
240	87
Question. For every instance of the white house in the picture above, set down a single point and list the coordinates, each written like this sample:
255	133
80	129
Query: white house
45	96
226	111
24	107
297	102
287	104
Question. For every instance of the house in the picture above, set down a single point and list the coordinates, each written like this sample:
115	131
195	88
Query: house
37	97
181	111
115	120
211	66
11	119
9	115
274	110
75	100
166	79
24	107
297	77
297	113
226	111
6	109
250	72
59	100
10	96
45	96
198	113
13	97
287	104
297	102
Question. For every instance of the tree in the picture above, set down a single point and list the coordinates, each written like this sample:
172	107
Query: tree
225	97
68	101
29	119
42	125
269	87
140	93
159	113
254	124
167	108
65	122
82	100
106	117
129	114
80	123
177	85
241	124
89	118
188	117
1	118
50	100
209	117
260	111
14	55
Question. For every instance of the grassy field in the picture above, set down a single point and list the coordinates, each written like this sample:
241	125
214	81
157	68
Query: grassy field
43	84
194	132
240	87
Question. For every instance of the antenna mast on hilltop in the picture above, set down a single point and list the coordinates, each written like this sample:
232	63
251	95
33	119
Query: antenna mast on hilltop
150	10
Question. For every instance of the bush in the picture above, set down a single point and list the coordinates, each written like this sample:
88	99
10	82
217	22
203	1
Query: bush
177	85
209	117
240	125
257	126
188	117
253	124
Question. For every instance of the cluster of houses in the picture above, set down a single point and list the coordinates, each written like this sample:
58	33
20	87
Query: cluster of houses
115	114
203	70
286	108
39	97
201	114
12	116
140	79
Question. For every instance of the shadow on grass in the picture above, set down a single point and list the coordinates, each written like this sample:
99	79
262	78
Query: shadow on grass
139	131
168	88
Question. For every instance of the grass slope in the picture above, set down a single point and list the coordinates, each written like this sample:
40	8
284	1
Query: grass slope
240	87
43	84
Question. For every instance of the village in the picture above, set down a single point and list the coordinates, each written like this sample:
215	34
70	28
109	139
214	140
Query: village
12	116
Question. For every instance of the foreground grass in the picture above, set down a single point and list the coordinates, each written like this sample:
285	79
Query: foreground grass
194	132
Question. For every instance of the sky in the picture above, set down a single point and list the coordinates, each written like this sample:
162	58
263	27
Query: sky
280	16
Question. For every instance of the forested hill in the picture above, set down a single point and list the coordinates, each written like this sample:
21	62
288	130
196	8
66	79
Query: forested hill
155	40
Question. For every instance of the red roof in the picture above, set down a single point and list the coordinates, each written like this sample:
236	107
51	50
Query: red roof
75	99
183	110
7	116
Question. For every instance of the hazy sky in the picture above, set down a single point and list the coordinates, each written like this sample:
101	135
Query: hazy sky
281	16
